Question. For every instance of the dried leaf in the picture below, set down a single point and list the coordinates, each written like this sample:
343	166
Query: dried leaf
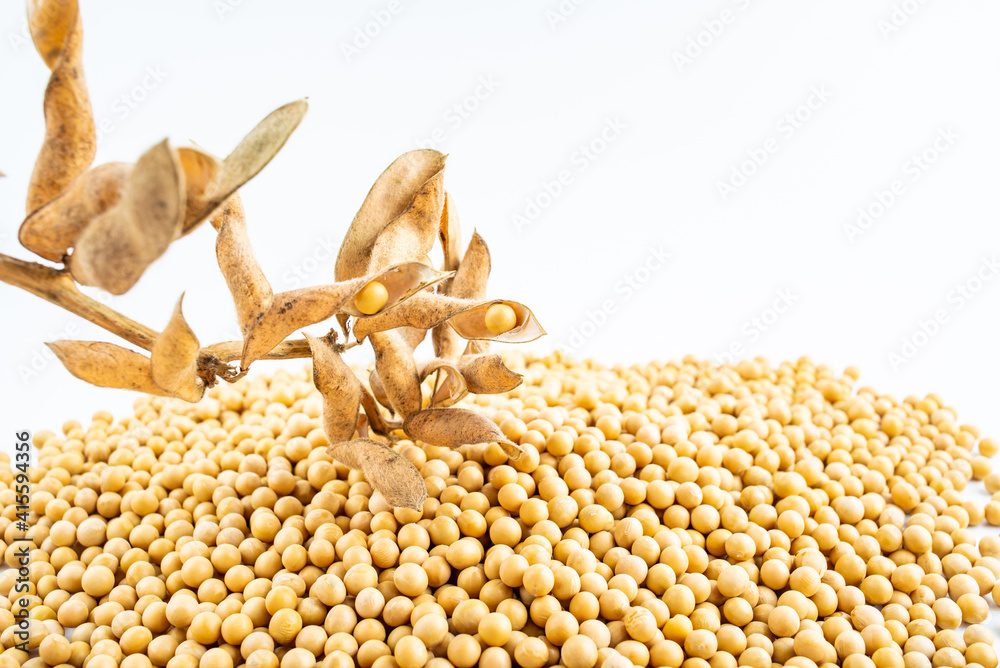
70	137
52	229
390	474
340	388
201	171
487	374
453	427
423	311
469	282
107	365
471	323
115	249
449	386
249	287
391	195
174	359
376	421
398	372
411	236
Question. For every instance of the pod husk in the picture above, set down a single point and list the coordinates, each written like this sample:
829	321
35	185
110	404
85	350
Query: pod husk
487	374
201	172
174	359
390	474
451	235
378	391
70	136
52	229
389	197
398	372
411	236
469	282
251	292
114	250
449	385
471	323
454	427
422	311
107	365
376	421
401	281
340	388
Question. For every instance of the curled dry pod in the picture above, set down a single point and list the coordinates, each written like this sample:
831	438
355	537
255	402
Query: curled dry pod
397	371
422	311
471	324
487	374
52	229
387	200
401	282
174	359
114	250
449	385
390	474
411	235
249	287
376	421
201	171
413	336
249	157
469	282
378	390
70	137
451	235
452	427
107	365
340	388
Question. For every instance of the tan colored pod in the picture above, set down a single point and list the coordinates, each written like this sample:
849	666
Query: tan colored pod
201	172
469	282
114	250
393	476
401	282
340	388
398	372
377	422
411	236
378	390
249	287
471	323
388	198
451	235
52	229
487	374
107	365
70	136
453	427
449	386
174	359
422	311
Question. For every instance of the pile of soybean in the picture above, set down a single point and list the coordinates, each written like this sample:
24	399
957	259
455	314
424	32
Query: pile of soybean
673	514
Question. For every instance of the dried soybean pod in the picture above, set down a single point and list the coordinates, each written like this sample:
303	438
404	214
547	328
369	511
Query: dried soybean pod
388	198
340	388
422	311
452	427
249	287
174	359
378	390
451	235
70	137
397	371
52	229
469	282
413	336
401	282
412	234
390	474
487	374
249	157
114	250
376	421
449	385
471	323
107	365
201	171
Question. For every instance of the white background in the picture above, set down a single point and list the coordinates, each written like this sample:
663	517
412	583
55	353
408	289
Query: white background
688	97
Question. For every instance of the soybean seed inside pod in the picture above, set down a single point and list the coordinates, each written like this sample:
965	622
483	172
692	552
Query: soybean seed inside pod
680	514
371	298
500	319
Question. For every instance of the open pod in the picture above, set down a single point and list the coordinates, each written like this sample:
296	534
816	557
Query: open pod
487	374
471	323
449	385
400	282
